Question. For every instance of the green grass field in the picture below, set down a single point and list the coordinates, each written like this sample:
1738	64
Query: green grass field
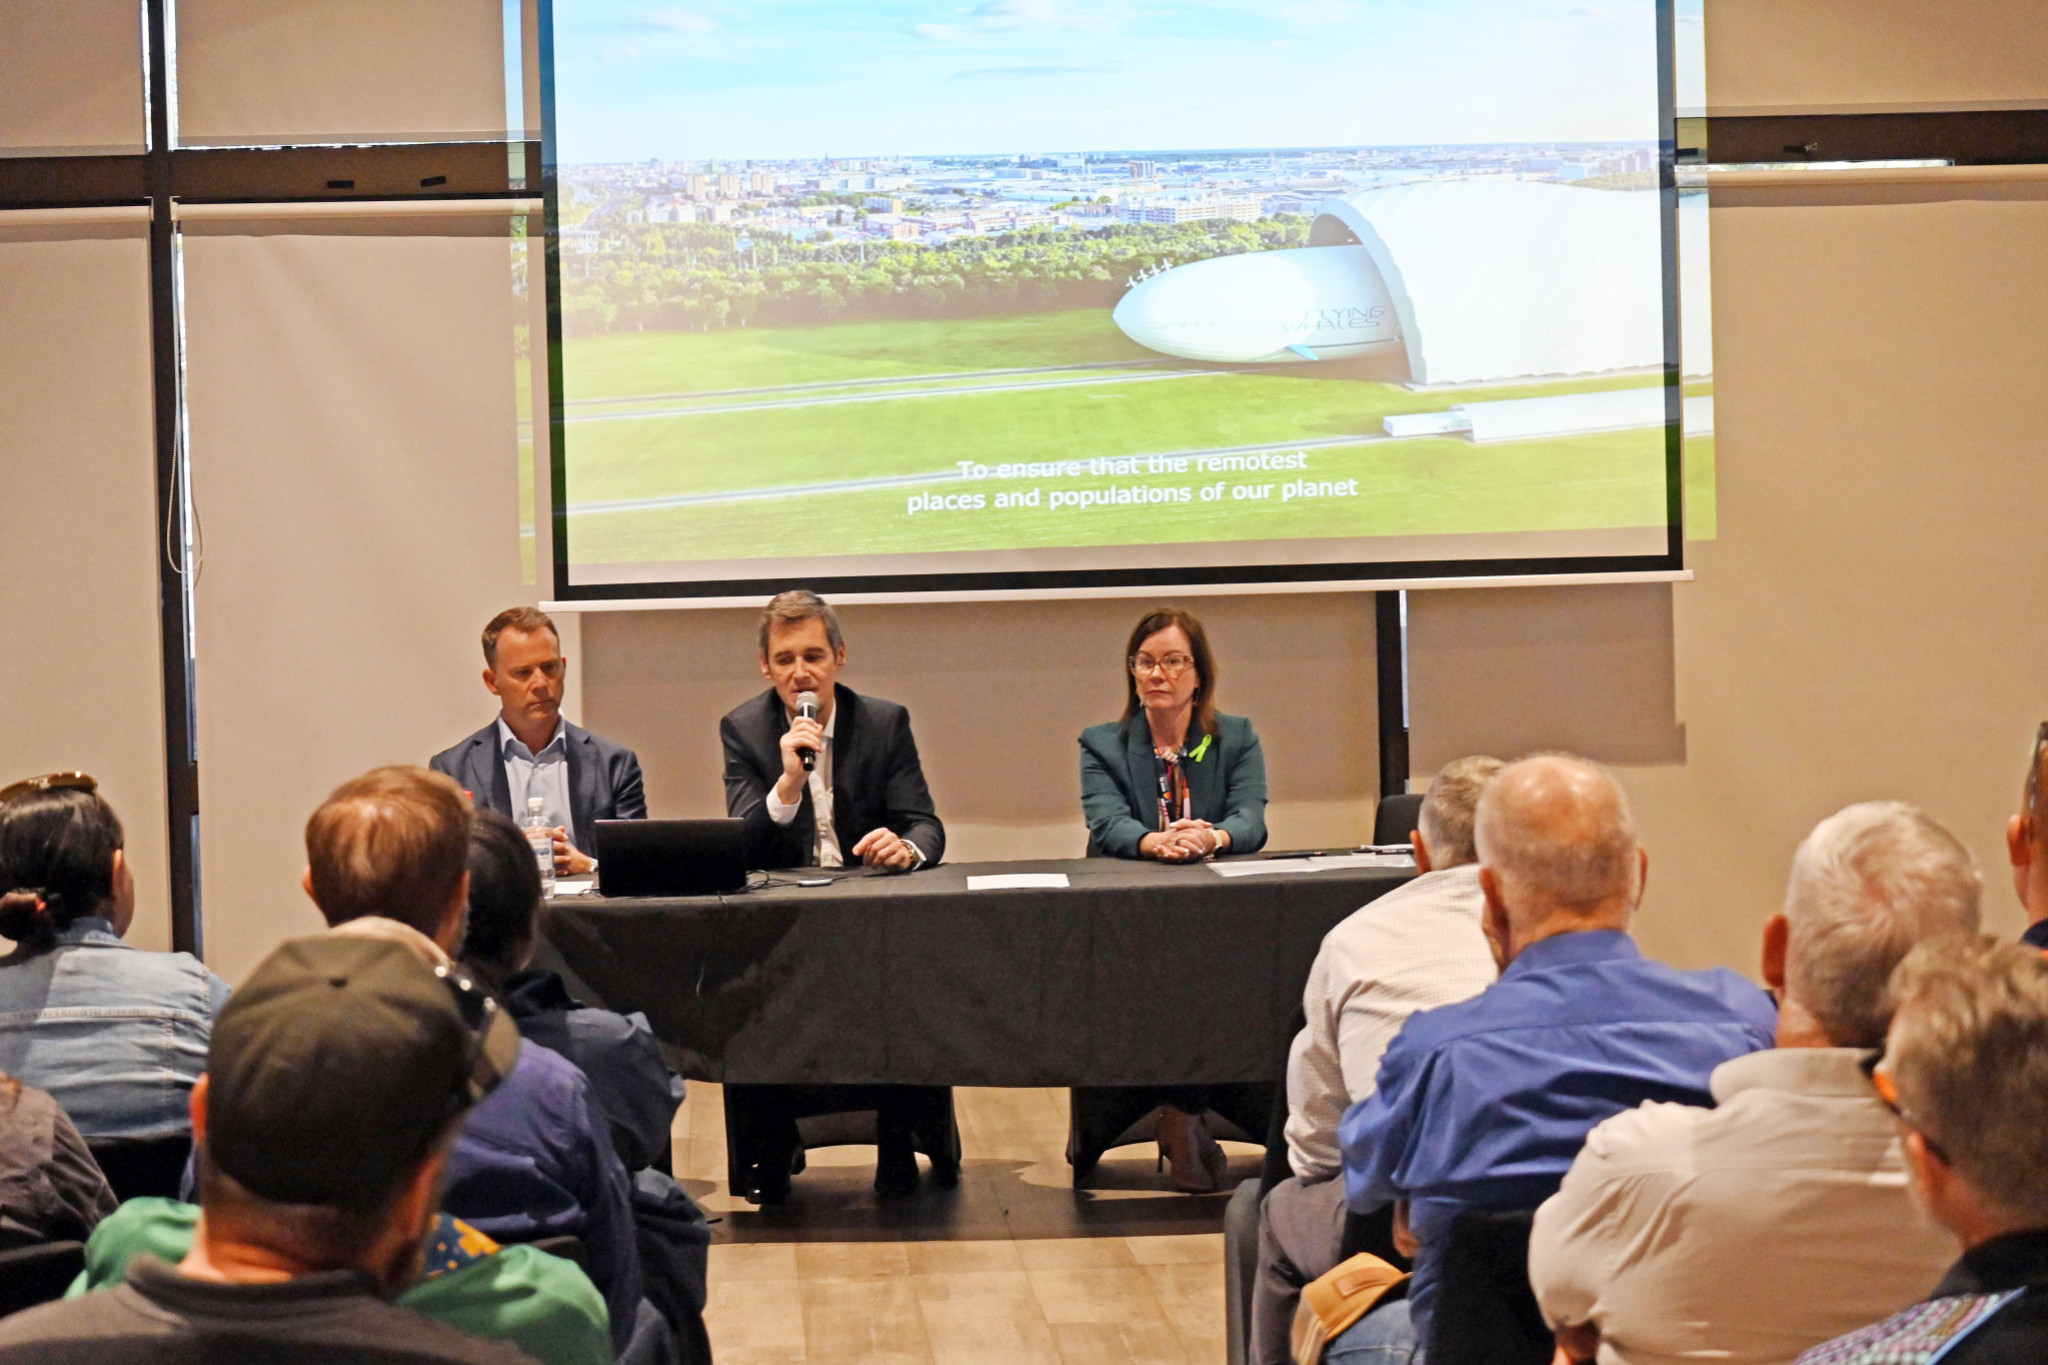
673	426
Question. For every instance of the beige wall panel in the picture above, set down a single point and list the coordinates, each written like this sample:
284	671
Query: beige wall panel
352	439
1871	54
1866	624
71	76
78	584
998	694
314	70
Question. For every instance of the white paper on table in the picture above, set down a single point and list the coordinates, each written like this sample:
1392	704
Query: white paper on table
573	886
1018	881
1365	860
1262	867
1267	867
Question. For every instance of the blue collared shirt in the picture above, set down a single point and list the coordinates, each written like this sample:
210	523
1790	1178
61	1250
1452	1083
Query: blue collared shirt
545	774
115	1034
1483	1104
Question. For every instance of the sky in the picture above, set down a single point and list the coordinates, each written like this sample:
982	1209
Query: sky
779	79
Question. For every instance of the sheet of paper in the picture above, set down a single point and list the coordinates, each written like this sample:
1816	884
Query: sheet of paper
1269	867
1263	867
1365	860
573	886
1018	881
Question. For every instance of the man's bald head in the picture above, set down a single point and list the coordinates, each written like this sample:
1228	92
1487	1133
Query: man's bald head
1556	834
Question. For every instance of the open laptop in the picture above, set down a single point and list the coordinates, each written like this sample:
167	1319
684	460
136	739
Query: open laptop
670	857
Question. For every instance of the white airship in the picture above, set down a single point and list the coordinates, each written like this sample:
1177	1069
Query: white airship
1469	281
1301	303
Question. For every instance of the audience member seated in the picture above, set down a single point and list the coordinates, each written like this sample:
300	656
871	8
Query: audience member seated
544	1305
2026	847
51	1189
634	1088
116	1035
637	1091
336	1080
535	1159
1965	1072
1415	948
1483	1104
531	751
1779	1218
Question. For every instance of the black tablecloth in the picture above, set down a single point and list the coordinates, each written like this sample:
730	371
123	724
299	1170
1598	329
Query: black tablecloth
1135	974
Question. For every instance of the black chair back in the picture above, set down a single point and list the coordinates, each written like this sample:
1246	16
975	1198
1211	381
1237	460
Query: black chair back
1277	1167
38	1274
1372	1233
1486	1313
1396	818
140	1166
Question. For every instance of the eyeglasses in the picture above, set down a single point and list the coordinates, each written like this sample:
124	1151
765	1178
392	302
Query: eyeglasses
1172	665
1888	1095
71	782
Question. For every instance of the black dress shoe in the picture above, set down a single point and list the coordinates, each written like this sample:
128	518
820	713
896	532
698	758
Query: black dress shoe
943	1147
768	1189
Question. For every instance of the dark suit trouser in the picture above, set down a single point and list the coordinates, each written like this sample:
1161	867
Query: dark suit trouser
761	1122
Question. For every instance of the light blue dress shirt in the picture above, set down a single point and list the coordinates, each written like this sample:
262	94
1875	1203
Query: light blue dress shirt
1484	1104
545	775
115	1034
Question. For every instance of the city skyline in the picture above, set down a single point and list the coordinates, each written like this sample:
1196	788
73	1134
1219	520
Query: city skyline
797	79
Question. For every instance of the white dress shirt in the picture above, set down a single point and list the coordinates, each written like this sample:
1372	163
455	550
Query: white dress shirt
545	774
1748	1232
1415	948
820	781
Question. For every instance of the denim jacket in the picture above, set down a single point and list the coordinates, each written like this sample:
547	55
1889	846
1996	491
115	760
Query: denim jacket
116	1035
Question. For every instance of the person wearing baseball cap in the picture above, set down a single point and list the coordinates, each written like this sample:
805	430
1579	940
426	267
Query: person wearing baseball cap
337	1078
536	1160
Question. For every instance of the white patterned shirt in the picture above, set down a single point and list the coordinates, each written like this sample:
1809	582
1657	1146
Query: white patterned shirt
1415	948
1746	1233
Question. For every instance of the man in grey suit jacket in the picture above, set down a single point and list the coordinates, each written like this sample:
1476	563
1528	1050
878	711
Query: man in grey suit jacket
530	750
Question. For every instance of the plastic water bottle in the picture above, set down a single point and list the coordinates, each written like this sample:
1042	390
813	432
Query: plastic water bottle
542	836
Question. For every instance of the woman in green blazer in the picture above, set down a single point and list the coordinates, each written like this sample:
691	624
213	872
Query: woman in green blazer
1176	781
1173	780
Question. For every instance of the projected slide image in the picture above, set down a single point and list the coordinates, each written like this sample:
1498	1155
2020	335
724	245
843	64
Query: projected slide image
924	287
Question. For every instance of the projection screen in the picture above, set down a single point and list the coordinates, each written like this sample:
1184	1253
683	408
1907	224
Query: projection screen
894	296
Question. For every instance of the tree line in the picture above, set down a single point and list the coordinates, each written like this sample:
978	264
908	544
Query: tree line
702	276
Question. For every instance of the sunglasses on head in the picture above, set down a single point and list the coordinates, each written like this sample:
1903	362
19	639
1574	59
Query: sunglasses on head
1888	1095
490	1029
32	786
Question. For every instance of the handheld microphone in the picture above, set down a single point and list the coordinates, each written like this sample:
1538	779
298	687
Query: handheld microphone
807	707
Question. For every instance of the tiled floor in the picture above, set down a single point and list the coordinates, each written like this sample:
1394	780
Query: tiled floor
1016	1267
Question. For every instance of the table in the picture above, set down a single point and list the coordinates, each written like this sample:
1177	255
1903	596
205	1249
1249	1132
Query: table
1136	973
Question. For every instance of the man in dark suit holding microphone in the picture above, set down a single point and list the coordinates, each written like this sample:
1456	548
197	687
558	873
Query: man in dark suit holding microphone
824	777
530	750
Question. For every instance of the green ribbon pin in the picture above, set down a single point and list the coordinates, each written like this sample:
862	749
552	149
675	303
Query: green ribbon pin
1200	749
